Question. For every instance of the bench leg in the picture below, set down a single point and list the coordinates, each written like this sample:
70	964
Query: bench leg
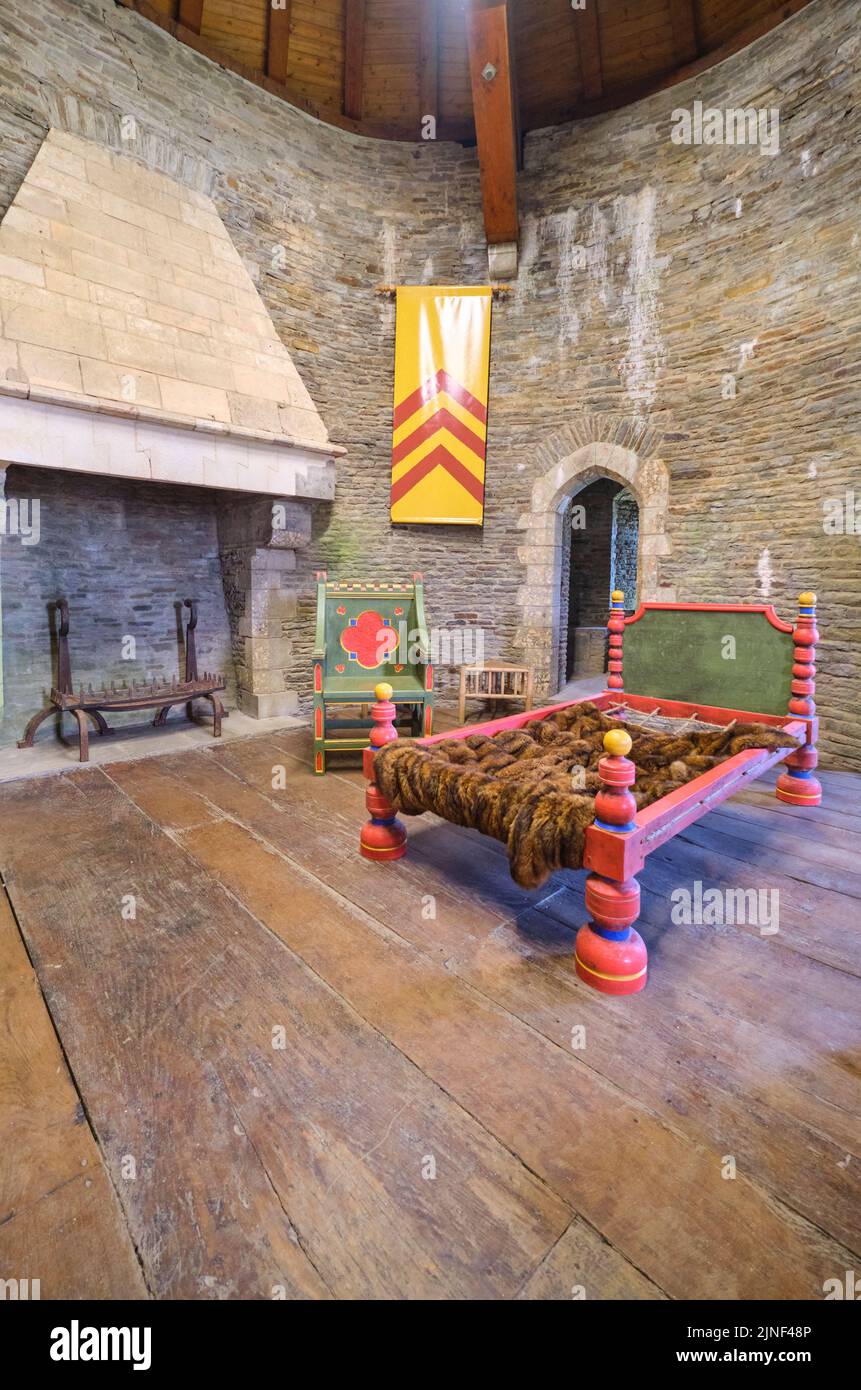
30	731
217	714
161	716
100	722
84	734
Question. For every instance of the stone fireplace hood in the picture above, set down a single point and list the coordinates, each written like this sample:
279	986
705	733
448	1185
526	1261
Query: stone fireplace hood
133	341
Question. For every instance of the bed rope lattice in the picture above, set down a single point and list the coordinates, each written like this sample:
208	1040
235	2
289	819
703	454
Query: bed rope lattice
534	787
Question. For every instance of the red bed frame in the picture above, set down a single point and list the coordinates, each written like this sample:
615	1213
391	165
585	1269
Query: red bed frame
609	954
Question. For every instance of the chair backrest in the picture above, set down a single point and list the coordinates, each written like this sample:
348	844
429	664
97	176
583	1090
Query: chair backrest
371	627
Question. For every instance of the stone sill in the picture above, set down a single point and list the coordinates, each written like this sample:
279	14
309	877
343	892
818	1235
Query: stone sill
96	405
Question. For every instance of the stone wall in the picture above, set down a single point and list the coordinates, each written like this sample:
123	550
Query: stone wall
626	528
685	317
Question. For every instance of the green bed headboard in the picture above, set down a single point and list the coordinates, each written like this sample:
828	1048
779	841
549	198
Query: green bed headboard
732	655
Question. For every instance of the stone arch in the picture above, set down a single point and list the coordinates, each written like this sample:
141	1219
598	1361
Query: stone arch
539	600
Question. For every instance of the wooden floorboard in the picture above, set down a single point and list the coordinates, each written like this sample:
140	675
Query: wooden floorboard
60	1221
428	1123
783	1141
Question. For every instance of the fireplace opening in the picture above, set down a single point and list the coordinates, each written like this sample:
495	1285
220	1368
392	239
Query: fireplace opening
602	527
124	554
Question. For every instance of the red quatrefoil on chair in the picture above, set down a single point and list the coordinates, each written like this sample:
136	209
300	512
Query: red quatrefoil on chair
368	640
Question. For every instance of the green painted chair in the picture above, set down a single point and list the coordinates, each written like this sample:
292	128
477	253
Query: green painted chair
369	631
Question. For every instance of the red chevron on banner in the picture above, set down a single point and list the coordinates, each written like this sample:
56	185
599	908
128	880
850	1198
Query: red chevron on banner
441	457
442	419
432	387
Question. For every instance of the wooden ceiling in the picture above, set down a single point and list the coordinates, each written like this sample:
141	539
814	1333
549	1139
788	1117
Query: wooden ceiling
380	66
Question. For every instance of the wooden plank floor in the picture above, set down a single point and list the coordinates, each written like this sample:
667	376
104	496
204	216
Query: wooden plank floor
288	1072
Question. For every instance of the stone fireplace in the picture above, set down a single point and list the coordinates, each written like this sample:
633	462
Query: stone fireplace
153	426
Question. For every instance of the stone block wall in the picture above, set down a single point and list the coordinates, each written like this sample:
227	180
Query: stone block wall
258	542
626	529
689	310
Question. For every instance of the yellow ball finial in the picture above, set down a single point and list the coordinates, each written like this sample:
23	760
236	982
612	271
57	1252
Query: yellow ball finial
807	600
617	596
617	743
383	691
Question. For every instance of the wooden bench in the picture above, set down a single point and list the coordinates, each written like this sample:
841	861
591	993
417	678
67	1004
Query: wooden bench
157	695
494	680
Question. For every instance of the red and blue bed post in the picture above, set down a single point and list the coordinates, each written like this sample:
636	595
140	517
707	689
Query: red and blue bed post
797	784
383	836
615	627
608	954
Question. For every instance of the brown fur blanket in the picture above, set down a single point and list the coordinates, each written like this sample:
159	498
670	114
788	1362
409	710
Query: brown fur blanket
534	787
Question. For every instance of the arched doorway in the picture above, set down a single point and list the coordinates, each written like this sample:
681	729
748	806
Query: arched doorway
601	536
569	467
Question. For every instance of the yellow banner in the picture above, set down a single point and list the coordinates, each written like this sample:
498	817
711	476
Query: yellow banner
442	361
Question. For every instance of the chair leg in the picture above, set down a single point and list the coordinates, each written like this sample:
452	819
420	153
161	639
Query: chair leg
30	731
84	734
319	737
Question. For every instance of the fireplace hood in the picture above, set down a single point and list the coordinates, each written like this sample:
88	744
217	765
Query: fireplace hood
133	341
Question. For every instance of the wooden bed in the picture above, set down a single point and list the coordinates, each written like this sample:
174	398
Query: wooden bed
716	663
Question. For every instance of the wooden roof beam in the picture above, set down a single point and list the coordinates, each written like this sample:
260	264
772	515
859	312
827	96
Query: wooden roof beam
278	39
190	14
589	42
494	107
429	67
683	16
354	57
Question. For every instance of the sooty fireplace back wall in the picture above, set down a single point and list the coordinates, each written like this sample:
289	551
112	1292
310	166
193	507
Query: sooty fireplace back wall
123	553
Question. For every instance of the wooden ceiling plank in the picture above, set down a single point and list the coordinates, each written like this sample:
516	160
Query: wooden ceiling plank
495	117
429	61
683	15
637	58
589	38
354	57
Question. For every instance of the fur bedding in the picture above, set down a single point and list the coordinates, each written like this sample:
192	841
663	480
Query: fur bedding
534	787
